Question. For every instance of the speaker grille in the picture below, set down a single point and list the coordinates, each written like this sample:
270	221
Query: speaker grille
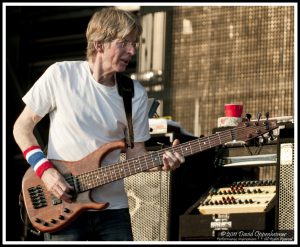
149	197
286	187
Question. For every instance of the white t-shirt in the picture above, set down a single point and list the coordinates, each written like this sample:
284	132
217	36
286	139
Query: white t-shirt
84	115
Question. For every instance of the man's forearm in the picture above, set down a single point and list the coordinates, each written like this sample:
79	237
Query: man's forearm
23	129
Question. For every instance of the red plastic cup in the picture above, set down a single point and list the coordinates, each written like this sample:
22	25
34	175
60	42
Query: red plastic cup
233	110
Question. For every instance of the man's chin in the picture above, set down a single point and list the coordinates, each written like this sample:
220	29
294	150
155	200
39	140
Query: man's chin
121	69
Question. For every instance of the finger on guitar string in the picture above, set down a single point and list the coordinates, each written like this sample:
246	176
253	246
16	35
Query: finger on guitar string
59	193
57	185
180	158
66	189
169	161
166	166
172	160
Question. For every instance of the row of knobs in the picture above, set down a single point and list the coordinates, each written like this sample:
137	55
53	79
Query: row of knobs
254	183
237	191
226	201
53	221
238	187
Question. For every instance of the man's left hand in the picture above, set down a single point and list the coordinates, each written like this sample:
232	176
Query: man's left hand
172	161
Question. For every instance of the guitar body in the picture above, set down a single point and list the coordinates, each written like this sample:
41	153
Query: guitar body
49	214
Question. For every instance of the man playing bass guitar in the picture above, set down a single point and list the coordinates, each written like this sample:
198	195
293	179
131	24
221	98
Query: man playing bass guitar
86	112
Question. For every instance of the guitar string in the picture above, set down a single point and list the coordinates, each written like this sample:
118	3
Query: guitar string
111	170
110	175
114	172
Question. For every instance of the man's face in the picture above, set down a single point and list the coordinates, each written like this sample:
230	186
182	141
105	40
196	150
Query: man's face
118	53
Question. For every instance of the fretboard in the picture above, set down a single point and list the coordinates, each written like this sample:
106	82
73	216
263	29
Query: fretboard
107	174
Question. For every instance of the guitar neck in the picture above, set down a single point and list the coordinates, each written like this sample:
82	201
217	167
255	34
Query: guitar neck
104	175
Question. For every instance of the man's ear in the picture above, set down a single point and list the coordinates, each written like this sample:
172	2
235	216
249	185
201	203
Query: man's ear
98	46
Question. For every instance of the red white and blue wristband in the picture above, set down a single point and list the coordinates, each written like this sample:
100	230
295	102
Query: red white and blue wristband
37	159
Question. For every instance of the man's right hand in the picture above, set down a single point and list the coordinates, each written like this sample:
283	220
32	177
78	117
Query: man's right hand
57	185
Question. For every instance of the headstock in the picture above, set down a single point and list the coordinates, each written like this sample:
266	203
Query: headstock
249	130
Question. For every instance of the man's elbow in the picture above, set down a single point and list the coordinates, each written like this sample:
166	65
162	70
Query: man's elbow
16	129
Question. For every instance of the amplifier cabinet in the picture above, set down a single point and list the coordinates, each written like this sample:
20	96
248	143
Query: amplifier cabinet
156	199
207	227
149	205
285	177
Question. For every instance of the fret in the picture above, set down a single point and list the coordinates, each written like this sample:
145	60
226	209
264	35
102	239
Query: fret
119	175
137	165
127	169
104	175
132	167
90	180
156	159
85	182
199	144
101	178
191	148
205	144
117	171
112	173
186	150
81	185
209	141
145	157
140	164
98	177
182	153
122	170
219	138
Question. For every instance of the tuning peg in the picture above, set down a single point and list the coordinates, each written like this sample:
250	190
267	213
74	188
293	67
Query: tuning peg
258	118
267	115
266	123
248	116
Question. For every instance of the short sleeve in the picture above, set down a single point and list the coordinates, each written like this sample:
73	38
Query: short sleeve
41	98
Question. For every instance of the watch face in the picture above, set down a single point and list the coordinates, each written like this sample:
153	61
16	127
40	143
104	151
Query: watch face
286	153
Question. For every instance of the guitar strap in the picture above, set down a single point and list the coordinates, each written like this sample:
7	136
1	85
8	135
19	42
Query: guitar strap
126	90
